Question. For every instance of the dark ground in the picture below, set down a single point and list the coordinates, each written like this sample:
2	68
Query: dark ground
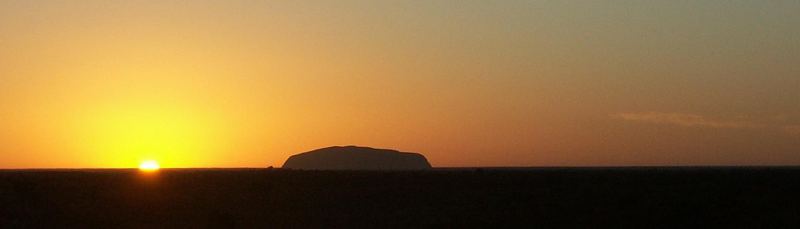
225	198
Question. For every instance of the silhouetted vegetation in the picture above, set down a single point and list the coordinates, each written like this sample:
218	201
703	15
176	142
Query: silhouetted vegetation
225	198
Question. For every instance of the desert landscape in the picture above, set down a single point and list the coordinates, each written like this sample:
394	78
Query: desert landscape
399	114
468	197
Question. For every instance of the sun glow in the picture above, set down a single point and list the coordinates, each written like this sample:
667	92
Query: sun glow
149	165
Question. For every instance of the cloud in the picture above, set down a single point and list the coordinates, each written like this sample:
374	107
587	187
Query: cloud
687	120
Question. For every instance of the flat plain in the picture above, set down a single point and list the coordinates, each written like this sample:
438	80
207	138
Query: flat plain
484	197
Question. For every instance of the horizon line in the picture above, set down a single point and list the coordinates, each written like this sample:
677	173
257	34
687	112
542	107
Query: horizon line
434	168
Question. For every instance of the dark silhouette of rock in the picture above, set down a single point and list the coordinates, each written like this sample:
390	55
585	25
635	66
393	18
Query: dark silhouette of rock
357	158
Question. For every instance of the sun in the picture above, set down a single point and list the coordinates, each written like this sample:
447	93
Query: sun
149	165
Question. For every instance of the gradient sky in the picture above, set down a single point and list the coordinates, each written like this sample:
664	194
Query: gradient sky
229	83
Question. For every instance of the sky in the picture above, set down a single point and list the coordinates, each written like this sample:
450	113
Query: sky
235	83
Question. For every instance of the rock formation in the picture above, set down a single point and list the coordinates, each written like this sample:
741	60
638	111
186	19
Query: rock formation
357	158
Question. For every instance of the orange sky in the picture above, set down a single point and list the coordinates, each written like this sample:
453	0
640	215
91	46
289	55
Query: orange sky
467	83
